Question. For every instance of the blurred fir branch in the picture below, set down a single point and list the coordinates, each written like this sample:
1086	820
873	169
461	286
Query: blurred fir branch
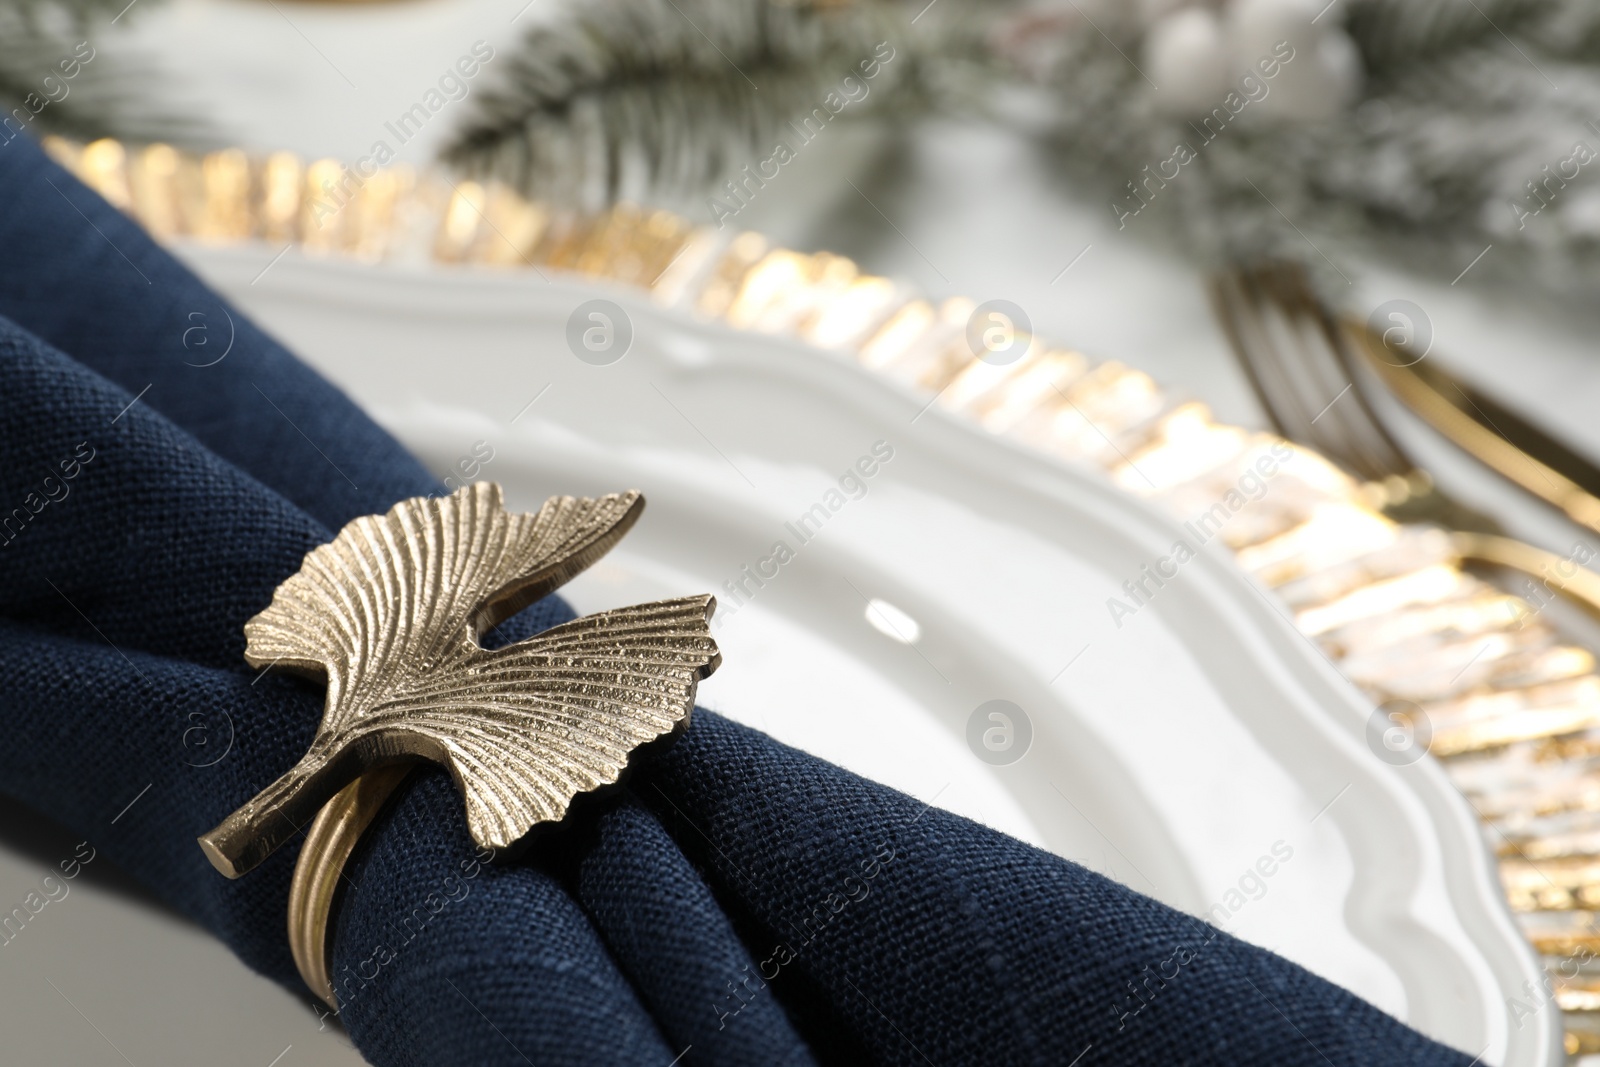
1422	130
41	41
1468	124
660	97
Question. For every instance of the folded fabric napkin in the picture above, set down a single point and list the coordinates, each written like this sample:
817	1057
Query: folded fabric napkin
734	902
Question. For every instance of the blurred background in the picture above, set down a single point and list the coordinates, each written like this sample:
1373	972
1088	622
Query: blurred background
997	144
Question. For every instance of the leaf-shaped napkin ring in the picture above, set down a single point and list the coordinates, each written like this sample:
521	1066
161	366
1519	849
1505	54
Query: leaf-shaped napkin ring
390	613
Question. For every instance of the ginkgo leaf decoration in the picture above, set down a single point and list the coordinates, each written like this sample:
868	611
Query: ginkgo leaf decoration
390	613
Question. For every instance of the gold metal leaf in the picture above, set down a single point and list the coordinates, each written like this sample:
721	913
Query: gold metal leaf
390	612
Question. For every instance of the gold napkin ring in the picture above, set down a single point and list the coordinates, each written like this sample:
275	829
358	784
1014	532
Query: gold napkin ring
317	873
389	614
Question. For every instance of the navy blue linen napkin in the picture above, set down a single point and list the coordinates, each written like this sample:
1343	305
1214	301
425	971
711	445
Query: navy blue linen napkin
735	902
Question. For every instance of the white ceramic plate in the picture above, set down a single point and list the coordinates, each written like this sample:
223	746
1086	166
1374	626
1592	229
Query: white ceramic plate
1172	753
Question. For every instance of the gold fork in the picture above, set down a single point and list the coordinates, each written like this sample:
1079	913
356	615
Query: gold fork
1302	359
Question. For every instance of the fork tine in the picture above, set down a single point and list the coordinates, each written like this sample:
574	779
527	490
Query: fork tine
1295	355
1324	348
1233	304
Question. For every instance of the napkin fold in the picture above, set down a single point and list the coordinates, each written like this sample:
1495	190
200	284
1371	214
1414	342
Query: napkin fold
734	902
